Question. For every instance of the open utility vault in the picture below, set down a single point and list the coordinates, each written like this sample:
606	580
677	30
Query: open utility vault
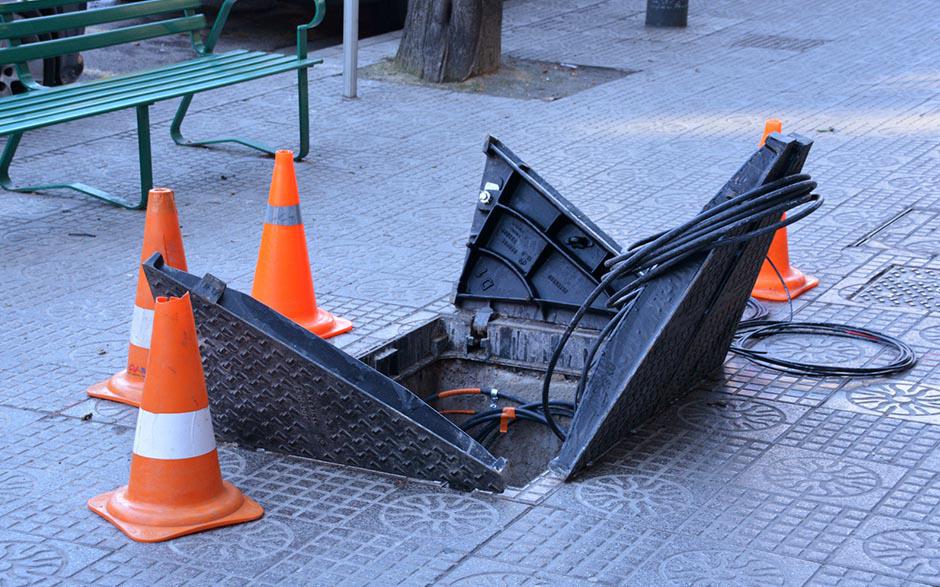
532	259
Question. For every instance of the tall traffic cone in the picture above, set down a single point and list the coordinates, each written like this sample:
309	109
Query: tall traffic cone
768	286
161	234
282	274
176	485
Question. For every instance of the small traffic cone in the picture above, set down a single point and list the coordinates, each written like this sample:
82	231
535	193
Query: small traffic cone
768	286
161	234
176	485
282	274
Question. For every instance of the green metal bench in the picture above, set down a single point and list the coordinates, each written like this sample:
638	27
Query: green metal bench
41	106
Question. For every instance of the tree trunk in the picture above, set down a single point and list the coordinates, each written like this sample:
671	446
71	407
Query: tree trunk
451	40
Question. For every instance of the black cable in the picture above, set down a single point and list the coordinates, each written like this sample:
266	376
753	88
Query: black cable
755	330
654	256
523	411
754	310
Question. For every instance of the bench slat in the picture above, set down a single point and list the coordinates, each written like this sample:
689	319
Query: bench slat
94	87
25	5
70	20
16	124
56	47
141	87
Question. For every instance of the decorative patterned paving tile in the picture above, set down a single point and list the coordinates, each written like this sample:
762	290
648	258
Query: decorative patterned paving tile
731	415
898	548
639	499
906	400
29	560
415	510
685	561
57	443
597	549
882	440
21	487
808	475
12	418
480	572
741	377
343	556
123	568
926	334
916	498
834	576
783	525
229	555
314	492
676	454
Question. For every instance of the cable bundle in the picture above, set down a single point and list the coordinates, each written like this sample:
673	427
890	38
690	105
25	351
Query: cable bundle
754	330
489	422
717	226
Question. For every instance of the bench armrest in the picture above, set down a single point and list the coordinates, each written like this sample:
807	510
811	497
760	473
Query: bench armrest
302	29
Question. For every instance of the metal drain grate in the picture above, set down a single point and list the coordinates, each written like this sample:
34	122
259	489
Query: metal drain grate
778	43
900	285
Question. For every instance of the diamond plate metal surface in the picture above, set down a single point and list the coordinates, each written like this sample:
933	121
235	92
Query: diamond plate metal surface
273	385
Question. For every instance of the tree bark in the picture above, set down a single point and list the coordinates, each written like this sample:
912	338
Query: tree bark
451	40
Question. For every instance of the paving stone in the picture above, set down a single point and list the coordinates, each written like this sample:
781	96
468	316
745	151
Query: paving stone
906	400
878	439
741	377
915	498
634	497
783	525
719	413
808	475
693	455
844	577
357	557
596	549
28	560
897	548
480	572
685	561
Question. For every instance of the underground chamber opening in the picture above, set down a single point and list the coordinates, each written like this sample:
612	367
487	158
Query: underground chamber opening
486	374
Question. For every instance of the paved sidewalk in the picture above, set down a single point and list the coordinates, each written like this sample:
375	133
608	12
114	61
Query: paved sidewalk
759	479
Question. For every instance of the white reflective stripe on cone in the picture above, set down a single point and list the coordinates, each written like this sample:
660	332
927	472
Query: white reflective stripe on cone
141	327
174	436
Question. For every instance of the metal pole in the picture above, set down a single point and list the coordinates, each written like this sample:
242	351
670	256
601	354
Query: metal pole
667	13
350	46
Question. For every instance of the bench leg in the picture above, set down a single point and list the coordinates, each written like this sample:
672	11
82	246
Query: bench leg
143	150
303	112
6	159
304	106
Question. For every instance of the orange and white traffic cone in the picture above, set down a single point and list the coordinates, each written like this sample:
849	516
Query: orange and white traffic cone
176	485
282	274
161	234
768	286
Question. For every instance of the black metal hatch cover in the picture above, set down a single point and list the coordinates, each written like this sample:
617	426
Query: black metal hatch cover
274	385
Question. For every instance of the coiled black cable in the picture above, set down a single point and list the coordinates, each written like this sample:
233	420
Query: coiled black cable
652	257
755	330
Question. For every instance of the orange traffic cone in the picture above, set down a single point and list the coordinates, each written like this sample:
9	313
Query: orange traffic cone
161	234
176	485
282	275
768	286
